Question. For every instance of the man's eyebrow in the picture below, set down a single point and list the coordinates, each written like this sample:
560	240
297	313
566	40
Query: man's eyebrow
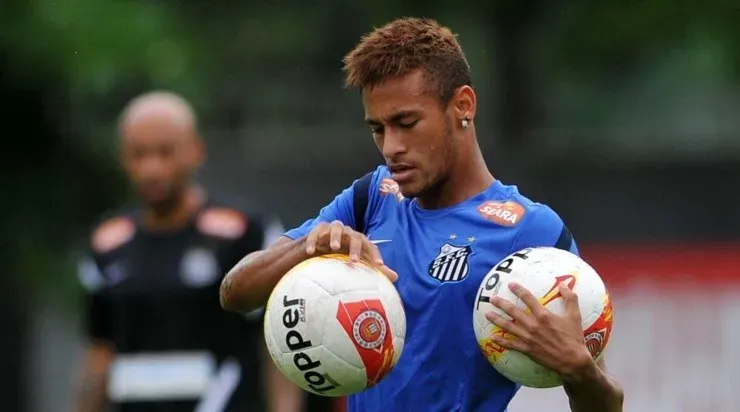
393	118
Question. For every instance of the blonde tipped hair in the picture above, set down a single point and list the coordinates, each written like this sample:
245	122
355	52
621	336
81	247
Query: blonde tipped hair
404	46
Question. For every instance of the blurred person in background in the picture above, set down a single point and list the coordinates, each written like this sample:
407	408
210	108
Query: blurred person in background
158	339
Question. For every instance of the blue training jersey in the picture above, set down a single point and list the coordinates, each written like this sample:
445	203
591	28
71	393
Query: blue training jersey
441	256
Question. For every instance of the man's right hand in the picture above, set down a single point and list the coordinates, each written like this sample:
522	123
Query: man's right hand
335	237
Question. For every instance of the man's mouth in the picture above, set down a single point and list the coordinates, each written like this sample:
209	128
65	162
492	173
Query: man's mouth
402	172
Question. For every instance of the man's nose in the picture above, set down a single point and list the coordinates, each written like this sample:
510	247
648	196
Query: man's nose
393	144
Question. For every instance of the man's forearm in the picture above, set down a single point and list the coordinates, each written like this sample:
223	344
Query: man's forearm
248	285
91	394
591	389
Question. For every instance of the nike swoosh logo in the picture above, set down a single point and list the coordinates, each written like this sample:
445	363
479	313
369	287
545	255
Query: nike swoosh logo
381	241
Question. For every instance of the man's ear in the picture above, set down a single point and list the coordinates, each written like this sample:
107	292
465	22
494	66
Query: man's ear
465	103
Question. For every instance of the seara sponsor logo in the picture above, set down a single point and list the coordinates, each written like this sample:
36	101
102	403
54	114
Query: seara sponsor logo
502	213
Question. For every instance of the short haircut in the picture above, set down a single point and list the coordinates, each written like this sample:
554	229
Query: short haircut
406	45
158	98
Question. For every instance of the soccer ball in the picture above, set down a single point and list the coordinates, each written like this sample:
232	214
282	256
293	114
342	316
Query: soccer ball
540	270
334	327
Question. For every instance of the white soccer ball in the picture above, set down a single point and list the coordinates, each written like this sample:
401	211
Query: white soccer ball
540	270
334	327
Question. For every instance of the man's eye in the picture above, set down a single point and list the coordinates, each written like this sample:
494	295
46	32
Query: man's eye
408	125
377	130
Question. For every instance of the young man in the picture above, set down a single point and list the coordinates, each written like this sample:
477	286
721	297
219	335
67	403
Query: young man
441	221
159	340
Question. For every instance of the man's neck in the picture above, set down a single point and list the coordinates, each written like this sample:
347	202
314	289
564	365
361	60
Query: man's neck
186	206
469	178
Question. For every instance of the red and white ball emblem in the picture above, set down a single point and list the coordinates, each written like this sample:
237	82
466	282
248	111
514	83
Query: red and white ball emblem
369	329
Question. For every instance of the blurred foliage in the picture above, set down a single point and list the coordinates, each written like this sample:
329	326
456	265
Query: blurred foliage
69	66
99	44
595	38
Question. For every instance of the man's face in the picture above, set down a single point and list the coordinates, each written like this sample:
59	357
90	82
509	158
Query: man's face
159	154
412	131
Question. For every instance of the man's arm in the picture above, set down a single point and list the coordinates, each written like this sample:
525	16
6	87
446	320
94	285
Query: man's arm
91	391
90	395
591	389
587	385
248	285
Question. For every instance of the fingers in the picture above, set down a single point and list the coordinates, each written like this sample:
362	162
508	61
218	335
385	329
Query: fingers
372	255
336	232
313	237
516	313
388	272
356	244
343	239
509	343
508	325
535	307
570	298
331	233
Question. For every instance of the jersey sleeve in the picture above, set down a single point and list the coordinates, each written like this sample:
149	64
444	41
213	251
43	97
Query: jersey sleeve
96	267
341	208
543	227
97	306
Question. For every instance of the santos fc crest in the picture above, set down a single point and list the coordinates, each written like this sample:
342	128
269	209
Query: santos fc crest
451	265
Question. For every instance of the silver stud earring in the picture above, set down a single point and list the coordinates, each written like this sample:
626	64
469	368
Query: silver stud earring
465	123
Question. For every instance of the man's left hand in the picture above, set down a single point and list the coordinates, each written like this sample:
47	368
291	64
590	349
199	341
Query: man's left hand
555	342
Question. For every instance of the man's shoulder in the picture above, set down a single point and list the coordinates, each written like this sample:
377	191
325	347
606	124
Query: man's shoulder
236	205
114	229
534	223
228	218
508	207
